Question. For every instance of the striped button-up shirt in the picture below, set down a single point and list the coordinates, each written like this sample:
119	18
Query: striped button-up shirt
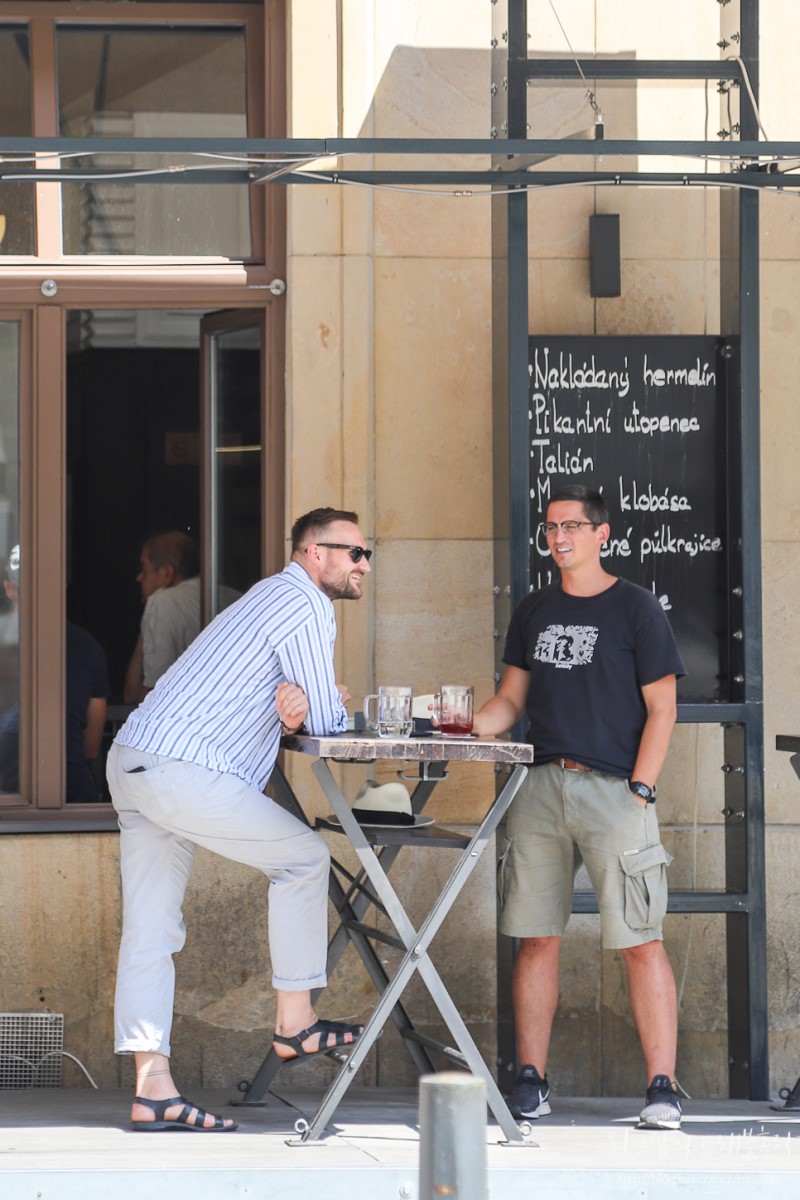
216	705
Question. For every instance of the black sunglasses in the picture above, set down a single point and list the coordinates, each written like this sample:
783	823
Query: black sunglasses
356	552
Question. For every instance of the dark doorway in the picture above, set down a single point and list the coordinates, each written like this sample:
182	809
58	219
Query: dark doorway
133	461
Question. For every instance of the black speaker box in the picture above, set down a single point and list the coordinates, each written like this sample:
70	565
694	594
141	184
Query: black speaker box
604	254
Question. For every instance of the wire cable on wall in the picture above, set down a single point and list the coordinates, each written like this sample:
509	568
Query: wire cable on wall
590	96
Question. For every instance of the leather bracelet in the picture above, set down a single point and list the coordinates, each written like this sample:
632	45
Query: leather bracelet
292	732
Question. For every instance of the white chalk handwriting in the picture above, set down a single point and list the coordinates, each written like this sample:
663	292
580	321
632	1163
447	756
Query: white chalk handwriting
547	418
566	375
562	460
639	422
664	541
633	497
691	377
638	419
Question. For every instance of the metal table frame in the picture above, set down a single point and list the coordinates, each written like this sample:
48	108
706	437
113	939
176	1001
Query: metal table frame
372	887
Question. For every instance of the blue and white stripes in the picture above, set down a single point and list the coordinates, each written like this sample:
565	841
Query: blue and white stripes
216	705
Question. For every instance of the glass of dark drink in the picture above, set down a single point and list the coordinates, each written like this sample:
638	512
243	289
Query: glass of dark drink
453	708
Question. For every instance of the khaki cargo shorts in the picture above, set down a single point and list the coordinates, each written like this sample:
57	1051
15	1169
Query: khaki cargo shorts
560	819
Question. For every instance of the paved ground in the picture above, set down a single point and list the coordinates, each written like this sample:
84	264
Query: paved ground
77	1145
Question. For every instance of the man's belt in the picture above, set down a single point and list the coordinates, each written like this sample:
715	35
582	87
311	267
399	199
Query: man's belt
568	764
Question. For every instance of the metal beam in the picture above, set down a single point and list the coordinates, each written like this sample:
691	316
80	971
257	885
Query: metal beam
316	148
520	179
632	68
681	902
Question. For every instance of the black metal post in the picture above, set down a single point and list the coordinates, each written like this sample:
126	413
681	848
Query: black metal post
510	388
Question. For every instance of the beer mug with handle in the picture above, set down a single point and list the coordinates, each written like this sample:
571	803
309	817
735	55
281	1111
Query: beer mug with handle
453	707
392	711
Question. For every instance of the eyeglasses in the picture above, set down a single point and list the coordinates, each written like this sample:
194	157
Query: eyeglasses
356	552
548	527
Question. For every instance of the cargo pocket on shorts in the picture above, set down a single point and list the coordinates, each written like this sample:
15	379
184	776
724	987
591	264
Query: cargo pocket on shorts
502	871
645	886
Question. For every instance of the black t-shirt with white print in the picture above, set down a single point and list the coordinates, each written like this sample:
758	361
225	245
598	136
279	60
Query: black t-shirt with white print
589	657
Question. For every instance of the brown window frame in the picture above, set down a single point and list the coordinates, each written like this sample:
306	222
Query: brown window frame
261	23
122	283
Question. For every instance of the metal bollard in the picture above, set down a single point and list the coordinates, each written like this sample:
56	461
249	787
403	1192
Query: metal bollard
452	1150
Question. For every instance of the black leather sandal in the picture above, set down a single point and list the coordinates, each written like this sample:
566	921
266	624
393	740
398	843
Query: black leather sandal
181	1122
326	1029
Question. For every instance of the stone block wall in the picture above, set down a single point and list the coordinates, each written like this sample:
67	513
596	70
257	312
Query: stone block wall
389	410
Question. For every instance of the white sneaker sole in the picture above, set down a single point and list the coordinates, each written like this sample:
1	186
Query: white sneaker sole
543	1110
654	1123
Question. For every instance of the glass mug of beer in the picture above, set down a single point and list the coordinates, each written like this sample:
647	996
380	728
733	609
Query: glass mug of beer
392	711
453	707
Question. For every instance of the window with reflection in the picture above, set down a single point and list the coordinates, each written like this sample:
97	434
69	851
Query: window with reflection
236	458
9	557
16	199
142	82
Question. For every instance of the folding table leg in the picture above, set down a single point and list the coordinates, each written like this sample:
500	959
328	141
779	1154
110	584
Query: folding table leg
416	957
354	910
253	1094
381	981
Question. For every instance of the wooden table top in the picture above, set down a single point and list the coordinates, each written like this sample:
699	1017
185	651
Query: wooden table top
366	747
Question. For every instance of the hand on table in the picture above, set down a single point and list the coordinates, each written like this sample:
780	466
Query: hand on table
292	705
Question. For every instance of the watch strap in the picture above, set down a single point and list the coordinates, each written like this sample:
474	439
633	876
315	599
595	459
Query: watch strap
643	790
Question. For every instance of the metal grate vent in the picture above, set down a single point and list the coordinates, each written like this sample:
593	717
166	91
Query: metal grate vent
31	1046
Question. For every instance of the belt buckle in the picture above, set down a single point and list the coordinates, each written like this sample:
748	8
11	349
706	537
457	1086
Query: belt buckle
562	762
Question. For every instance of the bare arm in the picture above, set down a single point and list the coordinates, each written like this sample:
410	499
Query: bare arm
95	723
504	709
133	689
660	701
292	705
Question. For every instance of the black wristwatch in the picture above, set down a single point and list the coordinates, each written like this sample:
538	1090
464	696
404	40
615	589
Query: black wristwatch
643	791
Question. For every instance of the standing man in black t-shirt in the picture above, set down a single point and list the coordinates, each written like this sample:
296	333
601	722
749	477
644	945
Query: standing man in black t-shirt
593	663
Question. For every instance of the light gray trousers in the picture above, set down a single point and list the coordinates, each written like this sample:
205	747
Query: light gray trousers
165	811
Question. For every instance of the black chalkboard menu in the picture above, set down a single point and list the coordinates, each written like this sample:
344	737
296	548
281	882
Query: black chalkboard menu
643	419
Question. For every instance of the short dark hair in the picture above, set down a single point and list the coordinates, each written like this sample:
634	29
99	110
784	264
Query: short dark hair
174	549
594	503
307	528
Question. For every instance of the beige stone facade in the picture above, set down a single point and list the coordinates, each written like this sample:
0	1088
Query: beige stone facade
389	412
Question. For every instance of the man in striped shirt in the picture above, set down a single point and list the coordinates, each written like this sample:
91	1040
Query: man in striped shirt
189	768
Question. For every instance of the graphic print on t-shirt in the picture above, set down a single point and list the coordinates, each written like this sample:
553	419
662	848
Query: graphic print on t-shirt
566	646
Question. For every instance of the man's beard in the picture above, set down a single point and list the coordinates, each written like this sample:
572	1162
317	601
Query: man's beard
335	592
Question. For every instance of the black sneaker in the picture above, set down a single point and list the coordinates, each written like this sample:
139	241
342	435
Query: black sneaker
531	1094
662	1108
